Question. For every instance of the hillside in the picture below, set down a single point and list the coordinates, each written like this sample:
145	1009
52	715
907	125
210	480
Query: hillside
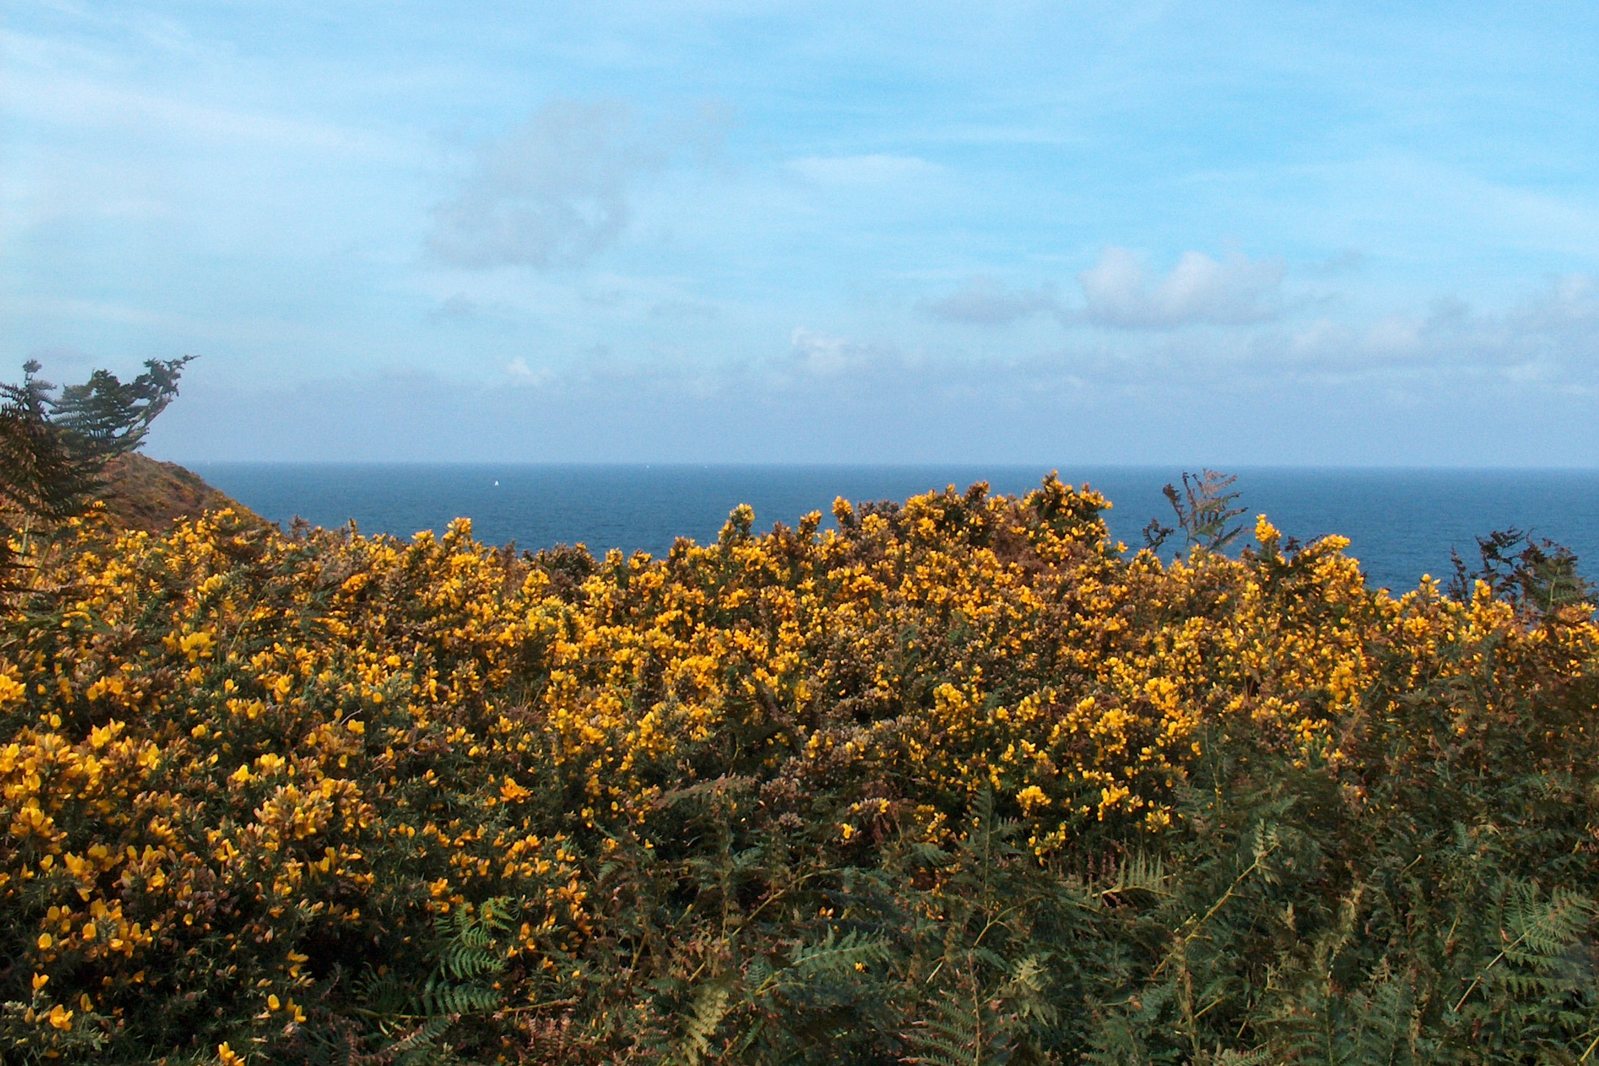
148	494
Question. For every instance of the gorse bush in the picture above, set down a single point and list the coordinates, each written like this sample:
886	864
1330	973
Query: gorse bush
961	781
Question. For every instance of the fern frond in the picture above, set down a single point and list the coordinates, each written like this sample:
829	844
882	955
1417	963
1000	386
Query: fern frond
836	954
951	1033
443	995
420	1045
1137	872
1539	934
709	1007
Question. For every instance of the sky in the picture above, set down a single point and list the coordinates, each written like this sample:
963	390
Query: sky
1213	233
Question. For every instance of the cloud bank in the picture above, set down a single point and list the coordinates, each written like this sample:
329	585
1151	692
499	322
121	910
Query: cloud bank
1119	291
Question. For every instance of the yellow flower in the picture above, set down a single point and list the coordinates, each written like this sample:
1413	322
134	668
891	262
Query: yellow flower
1030	797
60	1017
195	646
1266	533
11	690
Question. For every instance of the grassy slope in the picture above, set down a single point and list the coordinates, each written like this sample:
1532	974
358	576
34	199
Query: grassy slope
148	494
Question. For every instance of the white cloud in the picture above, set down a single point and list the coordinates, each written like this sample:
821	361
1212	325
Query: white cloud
1551	338
1119	291
522	374
1390	388
984	301
555	191
819	355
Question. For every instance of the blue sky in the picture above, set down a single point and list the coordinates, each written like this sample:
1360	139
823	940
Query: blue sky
1242	233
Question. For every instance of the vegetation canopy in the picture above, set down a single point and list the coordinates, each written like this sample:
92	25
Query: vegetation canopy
961	780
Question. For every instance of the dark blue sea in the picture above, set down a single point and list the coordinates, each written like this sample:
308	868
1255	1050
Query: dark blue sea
1402	523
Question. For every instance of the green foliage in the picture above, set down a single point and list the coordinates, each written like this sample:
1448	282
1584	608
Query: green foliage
470	956
429	1014
983	962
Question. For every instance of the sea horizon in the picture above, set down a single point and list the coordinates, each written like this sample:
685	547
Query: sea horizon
196	463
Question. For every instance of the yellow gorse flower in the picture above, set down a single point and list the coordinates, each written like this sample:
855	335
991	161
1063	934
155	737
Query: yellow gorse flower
237	743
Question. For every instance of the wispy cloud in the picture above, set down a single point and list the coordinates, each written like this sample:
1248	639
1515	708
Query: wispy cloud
555	190
970	233
80	87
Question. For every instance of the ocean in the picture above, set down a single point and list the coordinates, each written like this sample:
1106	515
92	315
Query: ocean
1401	523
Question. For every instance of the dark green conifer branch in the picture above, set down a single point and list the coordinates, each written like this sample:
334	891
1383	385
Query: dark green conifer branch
54	447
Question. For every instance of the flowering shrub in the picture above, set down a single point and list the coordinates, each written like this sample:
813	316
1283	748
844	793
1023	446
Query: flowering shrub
787	796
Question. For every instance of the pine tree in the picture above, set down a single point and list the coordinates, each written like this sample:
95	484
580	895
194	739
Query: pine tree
54	447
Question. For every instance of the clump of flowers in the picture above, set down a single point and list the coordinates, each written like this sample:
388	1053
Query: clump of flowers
263	795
